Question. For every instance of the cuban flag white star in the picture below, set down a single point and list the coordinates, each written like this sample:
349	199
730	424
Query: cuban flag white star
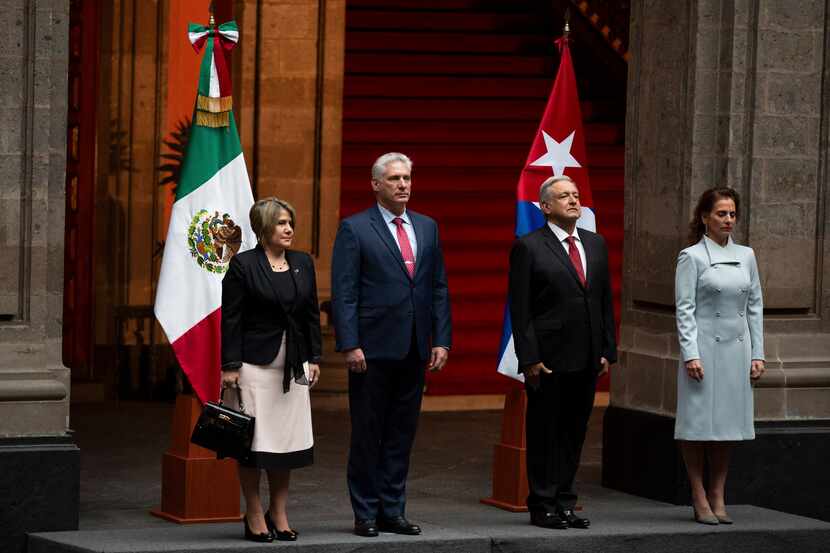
558	155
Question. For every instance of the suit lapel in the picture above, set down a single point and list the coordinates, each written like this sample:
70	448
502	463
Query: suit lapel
559	252
381	229
419	240
590	256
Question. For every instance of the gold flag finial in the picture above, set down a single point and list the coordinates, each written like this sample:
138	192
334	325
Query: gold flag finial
567	30
211	9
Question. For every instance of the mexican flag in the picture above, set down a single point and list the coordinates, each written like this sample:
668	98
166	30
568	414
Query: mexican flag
209	222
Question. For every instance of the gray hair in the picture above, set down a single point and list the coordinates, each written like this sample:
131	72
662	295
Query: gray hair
548	184
379	166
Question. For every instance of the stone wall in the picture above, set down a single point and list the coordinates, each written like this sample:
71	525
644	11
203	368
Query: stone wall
39	465
724	92
727	92
34	385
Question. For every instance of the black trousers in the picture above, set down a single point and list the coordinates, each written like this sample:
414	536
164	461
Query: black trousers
384	404
557	420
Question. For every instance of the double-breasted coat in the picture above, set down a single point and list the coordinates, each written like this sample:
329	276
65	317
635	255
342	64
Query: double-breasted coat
719	321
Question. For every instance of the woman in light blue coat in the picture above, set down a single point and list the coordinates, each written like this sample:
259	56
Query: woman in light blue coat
720	326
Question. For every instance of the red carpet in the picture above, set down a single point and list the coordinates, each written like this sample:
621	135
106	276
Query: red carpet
459	86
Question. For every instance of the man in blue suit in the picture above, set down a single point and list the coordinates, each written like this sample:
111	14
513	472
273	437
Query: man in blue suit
391	311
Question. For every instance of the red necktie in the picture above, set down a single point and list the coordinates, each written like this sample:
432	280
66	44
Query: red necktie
406	247
576	259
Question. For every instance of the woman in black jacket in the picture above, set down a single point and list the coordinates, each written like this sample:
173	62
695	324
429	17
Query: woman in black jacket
271	349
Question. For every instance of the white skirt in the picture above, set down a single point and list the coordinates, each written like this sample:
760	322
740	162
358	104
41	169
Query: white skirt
283	437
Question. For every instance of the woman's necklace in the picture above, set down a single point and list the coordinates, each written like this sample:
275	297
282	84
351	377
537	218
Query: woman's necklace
279	264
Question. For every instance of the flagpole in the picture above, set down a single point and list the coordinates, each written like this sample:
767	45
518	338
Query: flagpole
195	485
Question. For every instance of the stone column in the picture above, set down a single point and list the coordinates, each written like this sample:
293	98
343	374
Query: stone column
728	92
39	464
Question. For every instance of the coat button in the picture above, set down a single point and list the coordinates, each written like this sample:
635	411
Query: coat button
740	338
740	313
717	338
717	290
717	314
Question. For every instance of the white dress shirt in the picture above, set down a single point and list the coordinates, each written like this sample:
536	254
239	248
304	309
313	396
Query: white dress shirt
562	235
388	216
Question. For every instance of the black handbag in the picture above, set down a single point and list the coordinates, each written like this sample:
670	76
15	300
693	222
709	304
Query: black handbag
224	430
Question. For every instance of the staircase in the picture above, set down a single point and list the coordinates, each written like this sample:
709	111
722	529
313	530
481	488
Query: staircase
460	86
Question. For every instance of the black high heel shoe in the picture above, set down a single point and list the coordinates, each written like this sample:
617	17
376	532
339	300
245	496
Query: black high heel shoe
279	535
264	537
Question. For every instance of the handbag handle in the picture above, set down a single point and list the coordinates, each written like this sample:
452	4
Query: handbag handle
238	394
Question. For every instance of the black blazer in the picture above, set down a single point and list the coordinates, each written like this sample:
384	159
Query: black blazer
555	319
253	316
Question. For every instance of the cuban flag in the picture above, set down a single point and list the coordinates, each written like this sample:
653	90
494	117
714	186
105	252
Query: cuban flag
558	149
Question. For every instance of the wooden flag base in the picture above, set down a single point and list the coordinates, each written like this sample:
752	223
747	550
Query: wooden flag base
195	485
509	457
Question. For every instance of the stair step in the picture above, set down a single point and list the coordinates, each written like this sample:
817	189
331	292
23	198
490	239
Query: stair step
362	155
453	109
427	20
443	86
445	485
384	41
465	262
604	182
363	63
466	132
521	6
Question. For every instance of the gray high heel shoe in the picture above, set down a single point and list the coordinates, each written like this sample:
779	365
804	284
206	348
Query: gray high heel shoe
724	519
711	520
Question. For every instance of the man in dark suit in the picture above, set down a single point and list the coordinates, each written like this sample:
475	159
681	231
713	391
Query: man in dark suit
563	332
391	314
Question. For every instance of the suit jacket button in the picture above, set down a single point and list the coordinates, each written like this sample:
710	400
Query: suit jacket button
717	338
740	313
717	314
740	338
717	290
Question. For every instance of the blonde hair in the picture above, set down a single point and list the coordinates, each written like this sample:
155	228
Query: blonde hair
265	214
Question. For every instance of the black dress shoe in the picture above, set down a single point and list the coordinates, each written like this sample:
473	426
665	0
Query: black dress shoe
574	521
366	528
279	535
264	537
548	520
398	525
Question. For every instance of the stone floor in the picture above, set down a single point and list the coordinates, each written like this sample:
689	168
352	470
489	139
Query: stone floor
121	447
122	443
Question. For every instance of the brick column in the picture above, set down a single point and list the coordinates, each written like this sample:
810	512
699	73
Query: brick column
290	112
